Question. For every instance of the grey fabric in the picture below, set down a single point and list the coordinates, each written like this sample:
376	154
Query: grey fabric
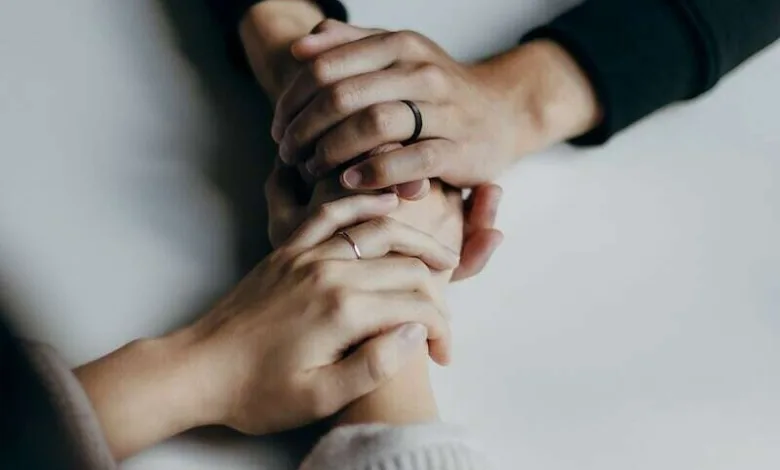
74	406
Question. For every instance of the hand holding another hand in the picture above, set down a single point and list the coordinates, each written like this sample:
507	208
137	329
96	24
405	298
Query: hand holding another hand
309	330
348	101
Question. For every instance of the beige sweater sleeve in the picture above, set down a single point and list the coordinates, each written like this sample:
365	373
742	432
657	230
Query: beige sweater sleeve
432	446
74	407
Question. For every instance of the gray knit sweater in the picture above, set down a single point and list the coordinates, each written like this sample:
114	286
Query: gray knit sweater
433	446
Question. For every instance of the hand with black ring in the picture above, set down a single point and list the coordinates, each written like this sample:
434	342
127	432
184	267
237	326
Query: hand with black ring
352	97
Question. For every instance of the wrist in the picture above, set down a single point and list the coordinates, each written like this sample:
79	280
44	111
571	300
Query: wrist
407	398
548	93
267	31
144	393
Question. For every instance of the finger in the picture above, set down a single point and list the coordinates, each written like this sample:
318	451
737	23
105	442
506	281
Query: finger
391	273
476	252
482	207
383	235
370	314
388	120
369	54
335	103
327	35
372	364
425	159
413	191
343	213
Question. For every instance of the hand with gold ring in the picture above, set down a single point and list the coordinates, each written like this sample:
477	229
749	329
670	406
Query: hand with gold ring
313	327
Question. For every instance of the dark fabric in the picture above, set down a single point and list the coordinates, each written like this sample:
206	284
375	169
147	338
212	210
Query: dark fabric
642	55
228	14
32	433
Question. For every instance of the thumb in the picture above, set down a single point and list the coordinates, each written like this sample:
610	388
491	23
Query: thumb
375	362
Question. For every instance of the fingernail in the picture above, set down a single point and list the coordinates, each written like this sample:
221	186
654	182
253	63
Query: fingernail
387	198
284	152
276	132
352	178
412	335
311	167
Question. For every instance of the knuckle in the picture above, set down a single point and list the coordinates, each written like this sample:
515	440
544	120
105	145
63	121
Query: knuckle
321	71
410	41
327	212
325	151
341	98
434	77
429	159
297	263
321	273
383	225
378	120
339	302
325	25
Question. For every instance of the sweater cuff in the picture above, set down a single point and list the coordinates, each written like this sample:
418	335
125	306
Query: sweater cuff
640	56
73	405
433	446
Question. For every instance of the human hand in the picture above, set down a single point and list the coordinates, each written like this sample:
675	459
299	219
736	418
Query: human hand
477	119
274	349
347	102
266	32
481	239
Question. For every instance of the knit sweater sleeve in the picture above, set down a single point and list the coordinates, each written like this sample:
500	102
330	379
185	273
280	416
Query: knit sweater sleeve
642	55
433	446
73	406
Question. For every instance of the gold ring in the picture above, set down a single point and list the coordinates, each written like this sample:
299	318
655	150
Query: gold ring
351	242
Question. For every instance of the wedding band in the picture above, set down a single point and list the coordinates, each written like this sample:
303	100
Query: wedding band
418	121
351	242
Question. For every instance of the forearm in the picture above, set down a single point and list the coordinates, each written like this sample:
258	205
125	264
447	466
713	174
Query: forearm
143	393
405	399
549	92
266	32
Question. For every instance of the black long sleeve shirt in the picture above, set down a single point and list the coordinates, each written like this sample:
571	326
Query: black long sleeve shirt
640	55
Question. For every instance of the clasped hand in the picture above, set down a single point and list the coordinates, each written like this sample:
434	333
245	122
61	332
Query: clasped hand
311	329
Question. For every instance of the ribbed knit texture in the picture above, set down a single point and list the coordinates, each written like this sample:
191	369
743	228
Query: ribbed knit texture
433	446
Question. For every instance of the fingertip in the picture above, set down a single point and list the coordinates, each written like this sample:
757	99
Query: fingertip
352	178
304	48
439	351
413	191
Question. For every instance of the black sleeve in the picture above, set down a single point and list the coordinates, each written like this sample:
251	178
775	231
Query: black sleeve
228	14
642	55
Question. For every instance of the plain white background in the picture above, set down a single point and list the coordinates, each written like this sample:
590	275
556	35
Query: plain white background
631	319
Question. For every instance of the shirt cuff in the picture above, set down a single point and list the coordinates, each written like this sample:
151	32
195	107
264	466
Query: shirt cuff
640	56
433	446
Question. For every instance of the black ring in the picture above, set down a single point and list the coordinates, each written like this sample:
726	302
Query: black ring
418	121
